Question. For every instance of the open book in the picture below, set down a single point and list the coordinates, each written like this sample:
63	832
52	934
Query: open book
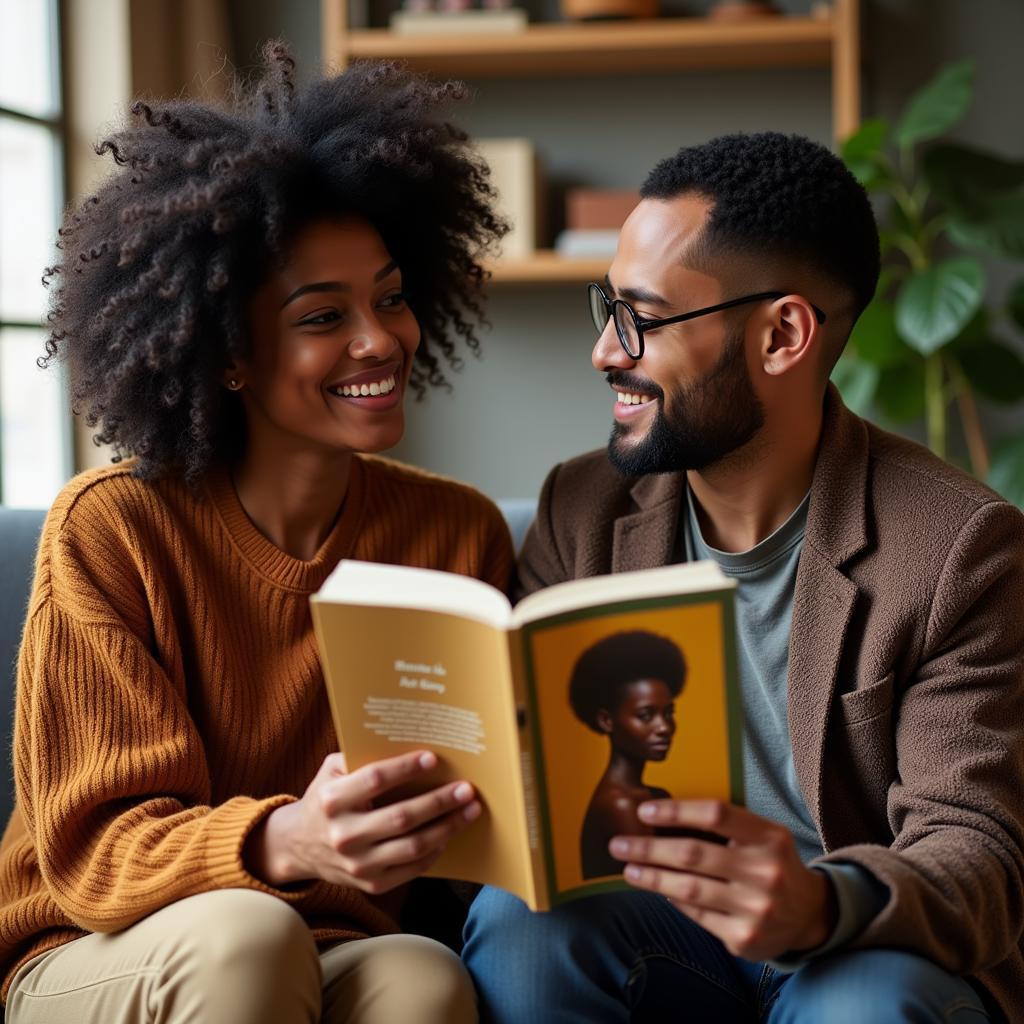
565	713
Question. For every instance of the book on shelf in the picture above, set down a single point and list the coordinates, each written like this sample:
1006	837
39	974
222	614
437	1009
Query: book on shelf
583	243
565	712
468	22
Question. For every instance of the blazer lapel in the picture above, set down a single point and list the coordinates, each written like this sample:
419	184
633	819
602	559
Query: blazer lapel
825	597
646	538
822	608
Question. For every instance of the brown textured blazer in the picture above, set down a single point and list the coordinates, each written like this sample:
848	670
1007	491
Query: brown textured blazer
906	674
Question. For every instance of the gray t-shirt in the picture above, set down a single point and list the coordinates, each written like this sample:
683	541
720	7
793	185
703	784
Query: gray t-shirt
766	580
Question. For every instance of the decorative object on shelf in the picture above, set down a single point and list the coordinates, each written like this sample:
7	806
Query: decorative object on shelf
516	177
929	340
593	217
457	17
737	10
584	10
589	208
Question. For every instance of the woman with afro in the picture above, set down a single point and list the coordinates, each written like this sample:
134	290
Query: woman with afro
624	687
243	306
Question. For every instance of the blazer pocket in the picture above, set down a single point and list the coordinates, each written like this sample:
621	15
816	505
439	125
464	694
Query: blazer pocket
868	702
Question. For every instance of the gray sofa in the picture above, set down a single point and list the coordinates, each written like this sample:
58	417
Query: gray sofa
19	536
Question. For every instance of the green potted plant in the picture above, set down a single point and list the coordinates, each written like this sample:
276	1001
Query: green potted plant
931	345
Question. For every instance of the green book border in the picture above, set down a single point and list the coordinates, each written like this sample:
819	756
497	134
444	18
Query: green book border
726	598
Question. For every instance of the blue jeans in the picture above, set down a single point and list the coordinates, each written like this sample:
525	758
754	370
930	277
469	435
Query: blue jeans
633	956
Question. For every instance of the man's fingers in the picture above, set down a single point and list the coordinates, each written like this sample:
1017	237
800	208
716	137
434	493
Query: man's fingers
734	863
693	890
372	780
715	816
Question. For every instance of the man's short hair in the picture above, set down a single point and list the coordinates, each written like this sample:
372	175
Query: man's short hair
777	195
606	668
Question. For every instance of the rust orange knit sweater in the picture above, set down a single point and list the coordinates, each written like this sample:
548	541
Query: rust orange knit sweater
170	694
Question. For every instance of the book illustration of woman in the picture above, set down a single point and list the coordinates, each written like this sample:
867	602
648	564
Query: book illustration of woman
624	687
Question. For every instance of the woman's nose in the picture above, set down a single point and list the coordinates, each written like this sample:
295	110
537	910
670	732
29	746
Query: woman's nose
372	340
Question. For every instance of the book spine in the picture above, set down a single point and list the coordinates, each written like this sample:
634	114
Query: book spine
536	836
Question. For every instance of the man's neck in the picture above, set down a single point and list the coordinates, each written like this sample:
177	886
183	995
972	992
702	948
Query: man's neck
744	499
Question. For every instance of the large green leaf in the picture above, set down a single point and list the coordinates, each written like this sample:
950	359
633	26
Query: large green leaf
1015	301
974	333
856	381
935	305
869	173
900	391
998	228
966	179
874	337
1007	472
939	105
867	141
994	370
862	153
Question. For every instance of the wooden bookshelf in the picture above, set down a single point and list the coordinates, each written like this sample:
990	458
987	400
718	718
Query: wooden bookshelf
563	48
622	47
547	267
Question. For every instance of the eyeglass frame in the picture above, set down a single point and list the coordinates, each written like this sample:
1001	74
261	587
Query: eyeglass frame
642	324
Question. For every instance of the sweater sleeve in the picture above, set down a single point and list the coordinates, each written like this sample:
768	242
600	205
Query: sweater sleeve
497	557
110	769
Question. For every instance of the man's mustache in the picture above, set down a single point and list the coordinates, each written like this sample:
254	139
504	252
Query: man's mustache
628	382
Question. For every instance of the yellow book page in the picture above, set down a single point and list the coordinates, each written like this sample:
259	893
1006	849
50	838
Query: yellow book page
401	680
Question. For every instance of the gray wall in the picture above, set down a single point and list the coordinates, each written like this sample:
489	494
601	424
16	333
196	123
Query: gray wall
532	397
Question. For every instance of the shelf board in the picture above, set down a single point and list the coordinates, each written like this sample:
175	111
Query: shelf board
602	47
546	267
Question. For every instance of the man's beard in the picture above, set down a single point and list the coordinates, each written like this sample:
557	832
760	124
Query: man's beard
710	419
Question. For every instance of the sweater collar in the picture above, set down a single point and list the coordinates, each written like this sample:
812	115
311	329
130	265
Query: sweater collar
265	557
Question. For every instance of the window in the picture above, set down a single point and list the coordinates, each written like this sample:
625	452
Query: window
35	430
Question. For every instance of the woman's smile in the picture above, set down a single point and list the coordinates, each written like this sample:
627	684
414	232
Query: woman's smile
374	390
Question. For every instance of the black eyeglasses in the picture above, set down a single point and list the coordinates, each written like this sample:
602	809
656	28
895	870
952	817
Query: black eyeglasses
631	327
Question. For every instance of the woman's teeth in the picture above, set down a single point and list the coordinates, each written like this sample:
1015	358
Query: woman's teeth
626	399
383	387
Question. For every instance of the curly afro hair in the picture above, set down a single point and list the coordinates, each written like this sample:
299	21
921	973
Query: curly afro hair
604	670
779	195
157	267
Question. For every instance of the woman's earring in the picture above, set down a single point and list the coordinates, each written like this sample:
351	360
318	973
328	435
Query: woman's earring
234	385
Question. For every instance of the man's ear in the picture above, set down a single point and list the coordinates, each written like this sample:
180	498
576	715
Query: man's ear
793	334
603	718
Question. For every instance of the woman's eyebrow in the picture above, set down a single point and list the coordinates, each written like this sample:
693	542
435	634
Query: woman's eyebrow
317	286
337	286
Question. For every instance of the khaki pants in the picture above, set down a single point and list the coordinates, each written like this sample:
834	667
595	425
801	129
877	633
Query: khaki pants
239	957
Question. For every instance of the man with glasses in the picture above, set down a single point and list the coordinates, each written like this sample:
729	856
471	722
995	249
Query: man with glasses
877	871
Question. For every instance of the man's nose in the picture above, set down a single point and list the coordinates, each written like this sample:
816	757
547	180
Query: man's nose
608	353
